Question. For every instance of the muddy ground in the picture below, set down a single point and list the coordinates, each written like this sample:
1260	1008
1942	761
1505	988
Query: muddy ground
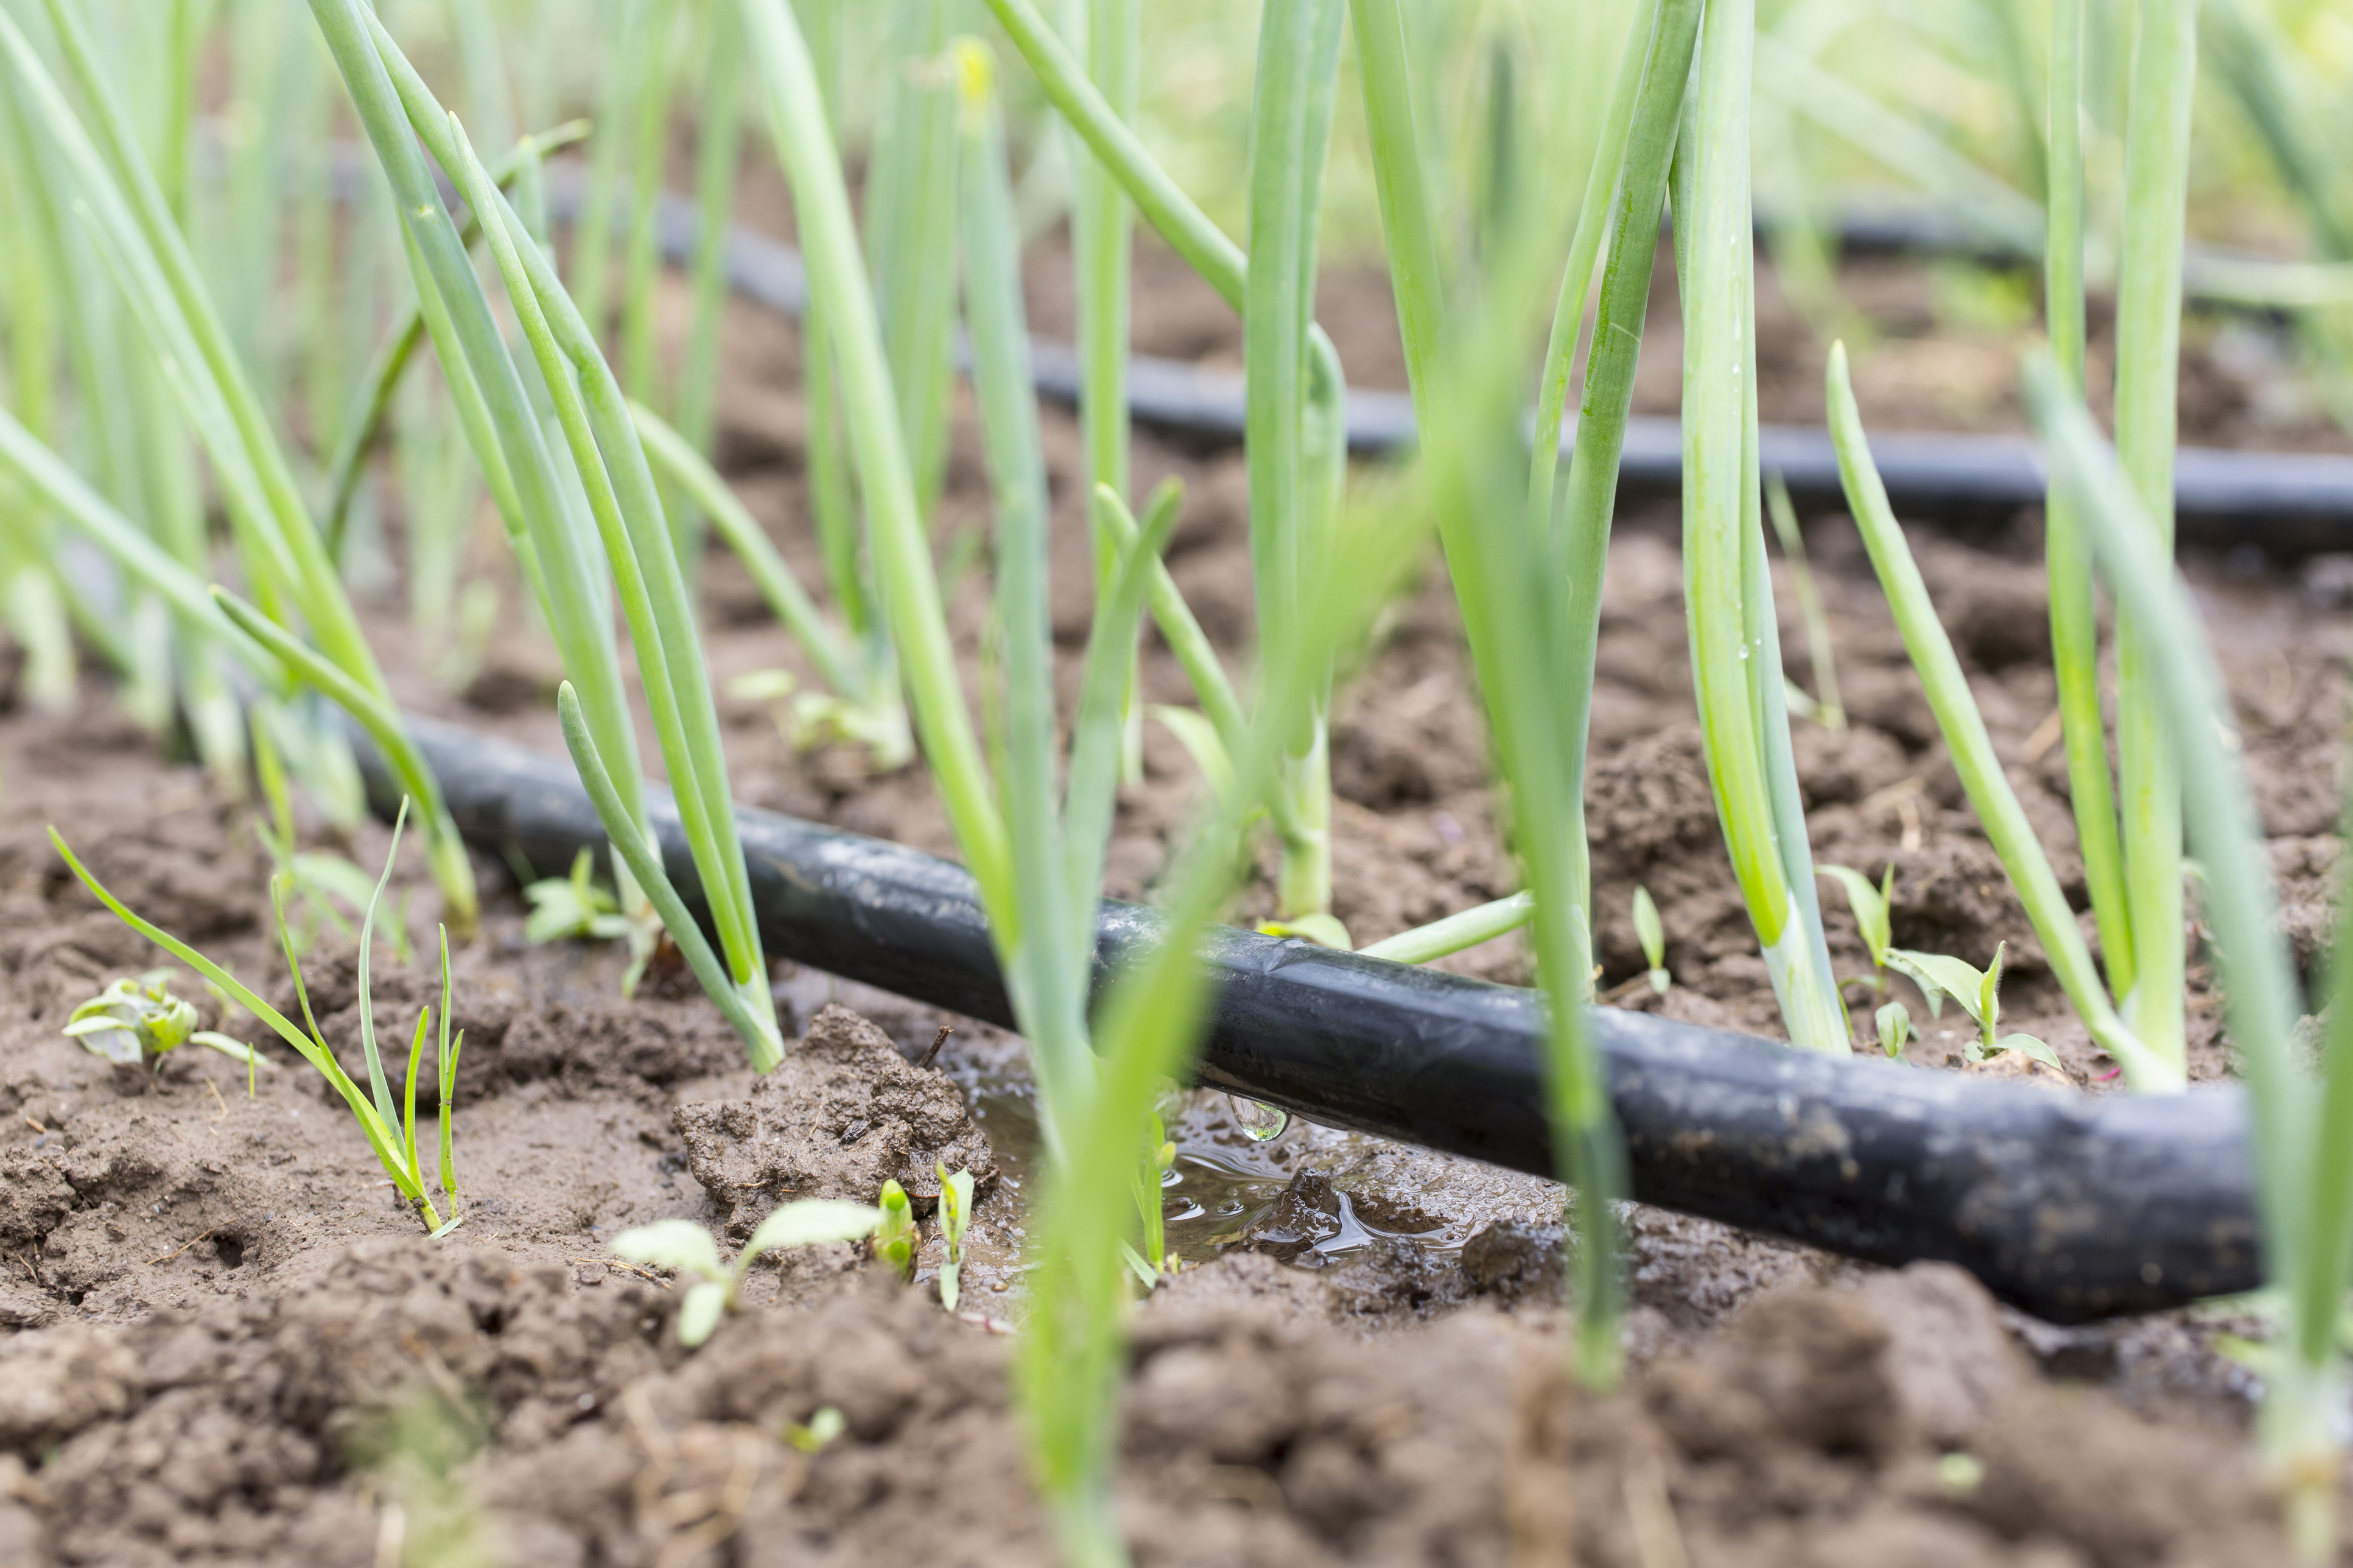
229	1343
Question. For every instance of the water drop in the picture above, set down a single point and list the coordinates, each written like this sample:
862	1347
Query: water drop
1263	1123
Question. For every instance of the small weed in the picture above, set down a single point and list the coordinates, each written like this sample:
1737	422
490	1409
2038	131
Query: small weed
896	1237
956	1215
390	1130
135	1022
1978	991
1652	933
685	1248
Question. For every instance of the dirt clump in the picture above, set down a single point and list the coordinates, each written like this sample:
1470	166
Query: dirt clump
844	1113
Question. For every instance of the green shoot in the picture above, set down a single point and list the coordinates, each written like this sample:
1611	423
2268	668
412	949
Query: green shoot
134	1022
2148	352
956	1216
393	1141
911	199
1465	928
1102	226
1292	489
1652	934
1828	711
1735	659
1978	991
563	908
823	1428
2067	554
1980	770
686	1248
1894	1021
1871	908
895	1238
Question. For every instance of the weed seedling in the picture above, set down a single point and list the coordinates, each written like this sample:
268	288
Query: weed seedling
685	1248
896	1237
390	1130
1869	905
573	906
1652	934
134	1022
1894	1021
1978	991
956	1215
823	1428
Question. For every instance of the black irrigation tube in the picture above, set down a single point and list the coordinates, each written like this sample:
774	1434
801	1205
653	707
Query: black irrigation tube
2288	504
2071	1206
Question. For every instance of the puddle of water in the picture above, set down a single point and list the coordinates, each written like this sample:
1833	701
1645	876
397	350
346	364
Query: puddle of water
1226	1176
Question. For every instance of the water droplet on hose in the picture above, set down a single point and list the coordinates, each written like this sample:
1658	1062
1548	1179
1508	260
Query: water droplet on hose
1262	1122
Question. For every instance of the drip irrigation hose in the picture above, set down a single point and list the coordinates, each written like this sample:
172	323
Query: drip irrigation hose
2071	1206
2288	504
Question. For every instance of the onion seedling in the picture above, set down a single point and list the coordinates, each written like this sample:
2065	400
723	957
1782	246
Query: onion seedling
2300	1134
126	212
1035	843
1735	652
1296	418
621	502
2148	352
390	1128
686	1248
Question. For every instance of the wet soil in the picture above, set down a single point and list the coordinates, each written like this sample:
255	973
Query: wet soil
230	1341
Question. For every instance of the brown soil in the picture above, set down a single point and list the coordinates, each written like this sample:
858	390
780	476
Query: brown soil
230	1343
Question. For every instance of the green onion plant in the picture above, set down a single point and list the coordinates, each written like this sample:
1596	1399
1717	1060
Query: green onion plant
144	250
608	494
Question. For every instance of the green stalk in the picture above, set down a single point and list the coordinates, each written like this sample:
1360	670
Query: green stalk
1466	928
1643	142
1602	181
1102	226
1047	954
140	237
641	258
908	594
1291	120
911	203
1973	754
1712	235
364	418
2148	345
592	236
719	137
830	500
621	495
2067	553
2297	1140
